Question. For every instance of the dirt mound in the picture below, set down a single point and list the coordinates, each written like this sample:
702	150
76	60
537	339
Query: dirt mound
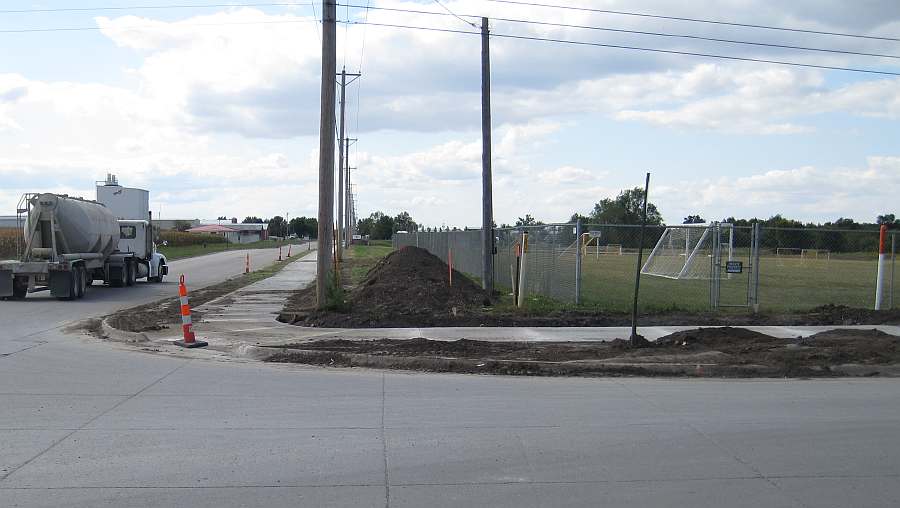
408	287
718	338
855	346
843	315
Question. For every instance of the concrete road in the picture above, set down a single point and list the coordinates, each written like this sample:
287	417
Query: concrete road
86	423
40	312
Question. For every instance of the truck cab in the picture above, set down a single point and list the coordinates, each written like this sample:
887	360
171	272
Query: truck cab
136	237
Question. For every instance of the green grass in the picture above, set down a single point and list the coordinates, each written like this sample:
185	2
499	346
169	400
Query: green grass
363	257
785	284
189	251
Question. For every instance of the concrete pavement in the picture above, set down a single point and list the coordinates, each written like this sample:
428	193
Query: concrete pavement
86	424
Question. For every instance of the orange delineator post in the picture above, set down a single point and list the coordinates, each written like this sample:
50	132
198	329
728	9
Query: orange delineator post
289	250
187	331
882	266
247	265
279	253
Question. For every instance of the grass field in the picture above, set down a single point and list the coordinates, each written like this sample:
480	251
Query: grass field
785	284
364	257
8	243
187	251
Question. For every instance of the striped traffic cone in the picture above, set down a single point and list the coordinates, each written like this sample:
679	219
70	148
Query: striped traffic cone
186	325
289	251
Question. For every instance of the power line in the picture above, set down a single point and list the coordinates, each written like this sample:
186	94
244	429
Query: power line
454	14
138	27
641	32
696	20
145	7
638	48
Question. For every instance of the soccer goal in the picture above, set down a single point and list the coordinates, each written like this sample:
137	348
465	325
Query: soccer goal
687	251
815	254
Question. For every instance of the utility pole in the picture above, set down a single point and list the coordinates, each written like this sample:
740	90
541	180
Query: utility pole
487	205
342	148
326	152
338	247
346	224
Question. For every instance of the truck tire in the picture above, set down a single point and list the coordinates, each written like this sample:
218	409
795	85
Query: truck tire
73	291
158	278
20	288
117	276
80	281
130	274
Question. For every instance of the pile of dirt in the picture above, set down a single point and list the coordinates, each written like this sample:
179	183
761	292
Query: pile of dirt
725	352
408	287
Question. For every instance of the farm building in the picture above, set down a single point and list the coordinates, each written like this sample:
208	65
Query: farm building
234	233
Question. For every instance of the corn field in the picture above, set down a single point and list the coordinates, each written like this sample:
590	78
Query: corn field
8	243
181	239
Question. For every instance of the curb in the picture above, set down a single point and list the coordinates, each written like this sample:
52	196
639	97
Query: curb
117	335
488	366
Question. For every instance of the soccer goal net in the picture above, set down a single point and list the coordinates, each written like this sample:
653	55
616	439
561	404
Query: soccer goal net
686	252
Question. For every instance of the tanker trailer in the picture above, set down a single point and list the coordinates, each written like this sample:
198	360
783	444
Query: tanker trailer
70	243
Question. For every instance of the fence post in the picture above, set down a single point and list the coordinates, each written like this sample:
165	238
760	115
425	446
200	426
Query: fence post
578	262
893	262
757	239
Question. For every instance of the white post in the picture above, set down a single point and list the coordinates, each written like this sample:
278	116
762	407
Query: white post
882	264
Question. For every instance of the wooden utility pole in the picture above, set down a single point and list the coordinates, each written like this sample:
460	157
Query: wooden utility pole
326	153
339	245
346	224
487	204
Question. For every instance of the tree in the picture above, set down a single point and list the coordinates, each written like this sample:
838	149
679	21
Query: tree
694	219
252	220
221	217
182	225
277	226
383	228
528	220
888	220
404	222
626	208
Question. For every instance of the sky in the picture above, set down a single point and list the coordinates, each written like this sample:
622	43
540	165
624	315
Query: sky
215	109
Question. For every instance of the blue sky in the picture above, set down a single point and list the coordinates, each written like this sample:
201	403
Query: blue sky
215	110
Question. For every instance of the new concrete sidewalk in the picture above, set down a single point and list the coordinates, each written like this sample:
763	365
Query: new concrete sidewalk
247	318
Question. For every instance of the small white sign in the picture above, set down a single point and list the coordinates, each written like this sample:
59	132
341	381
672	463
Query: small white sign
594	234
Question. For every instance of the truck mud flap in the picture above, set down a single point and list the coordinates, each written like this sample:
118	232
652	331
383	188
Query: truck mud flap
61	284
6	283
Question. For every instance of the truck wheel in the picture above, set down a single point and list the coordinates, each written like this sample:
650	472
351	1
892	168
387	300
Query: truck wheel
80	281
73	287
159	277
20	288
130	274
117	276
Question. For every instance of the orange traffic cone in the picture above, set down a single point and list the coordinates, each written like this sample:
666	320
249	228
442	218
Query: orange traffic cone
187	331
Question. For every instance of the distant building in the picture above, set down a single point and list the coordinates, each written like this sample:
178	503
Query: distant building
172	224
234	233
8	222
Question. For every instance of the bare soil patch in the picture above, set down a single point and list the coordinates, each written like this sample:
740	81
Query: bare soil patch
725	352
408	287
161	314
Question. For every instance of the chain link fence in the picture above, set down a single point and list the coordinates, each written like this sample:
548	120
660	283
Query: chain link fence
686	267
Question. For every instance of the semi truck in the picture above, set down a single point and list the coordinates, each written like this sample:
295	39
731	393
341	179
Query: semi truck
71	243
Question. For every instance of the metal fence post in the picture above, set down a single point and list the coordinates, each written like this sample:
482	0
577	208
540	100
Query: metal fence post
893	262
578	262
757	239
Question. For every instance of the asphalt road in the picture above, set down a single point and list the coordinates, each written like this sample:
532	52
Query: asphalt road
39	312
86	423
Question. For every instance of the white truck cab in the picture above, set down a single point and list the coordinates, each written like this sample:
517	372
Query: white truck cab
136	237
